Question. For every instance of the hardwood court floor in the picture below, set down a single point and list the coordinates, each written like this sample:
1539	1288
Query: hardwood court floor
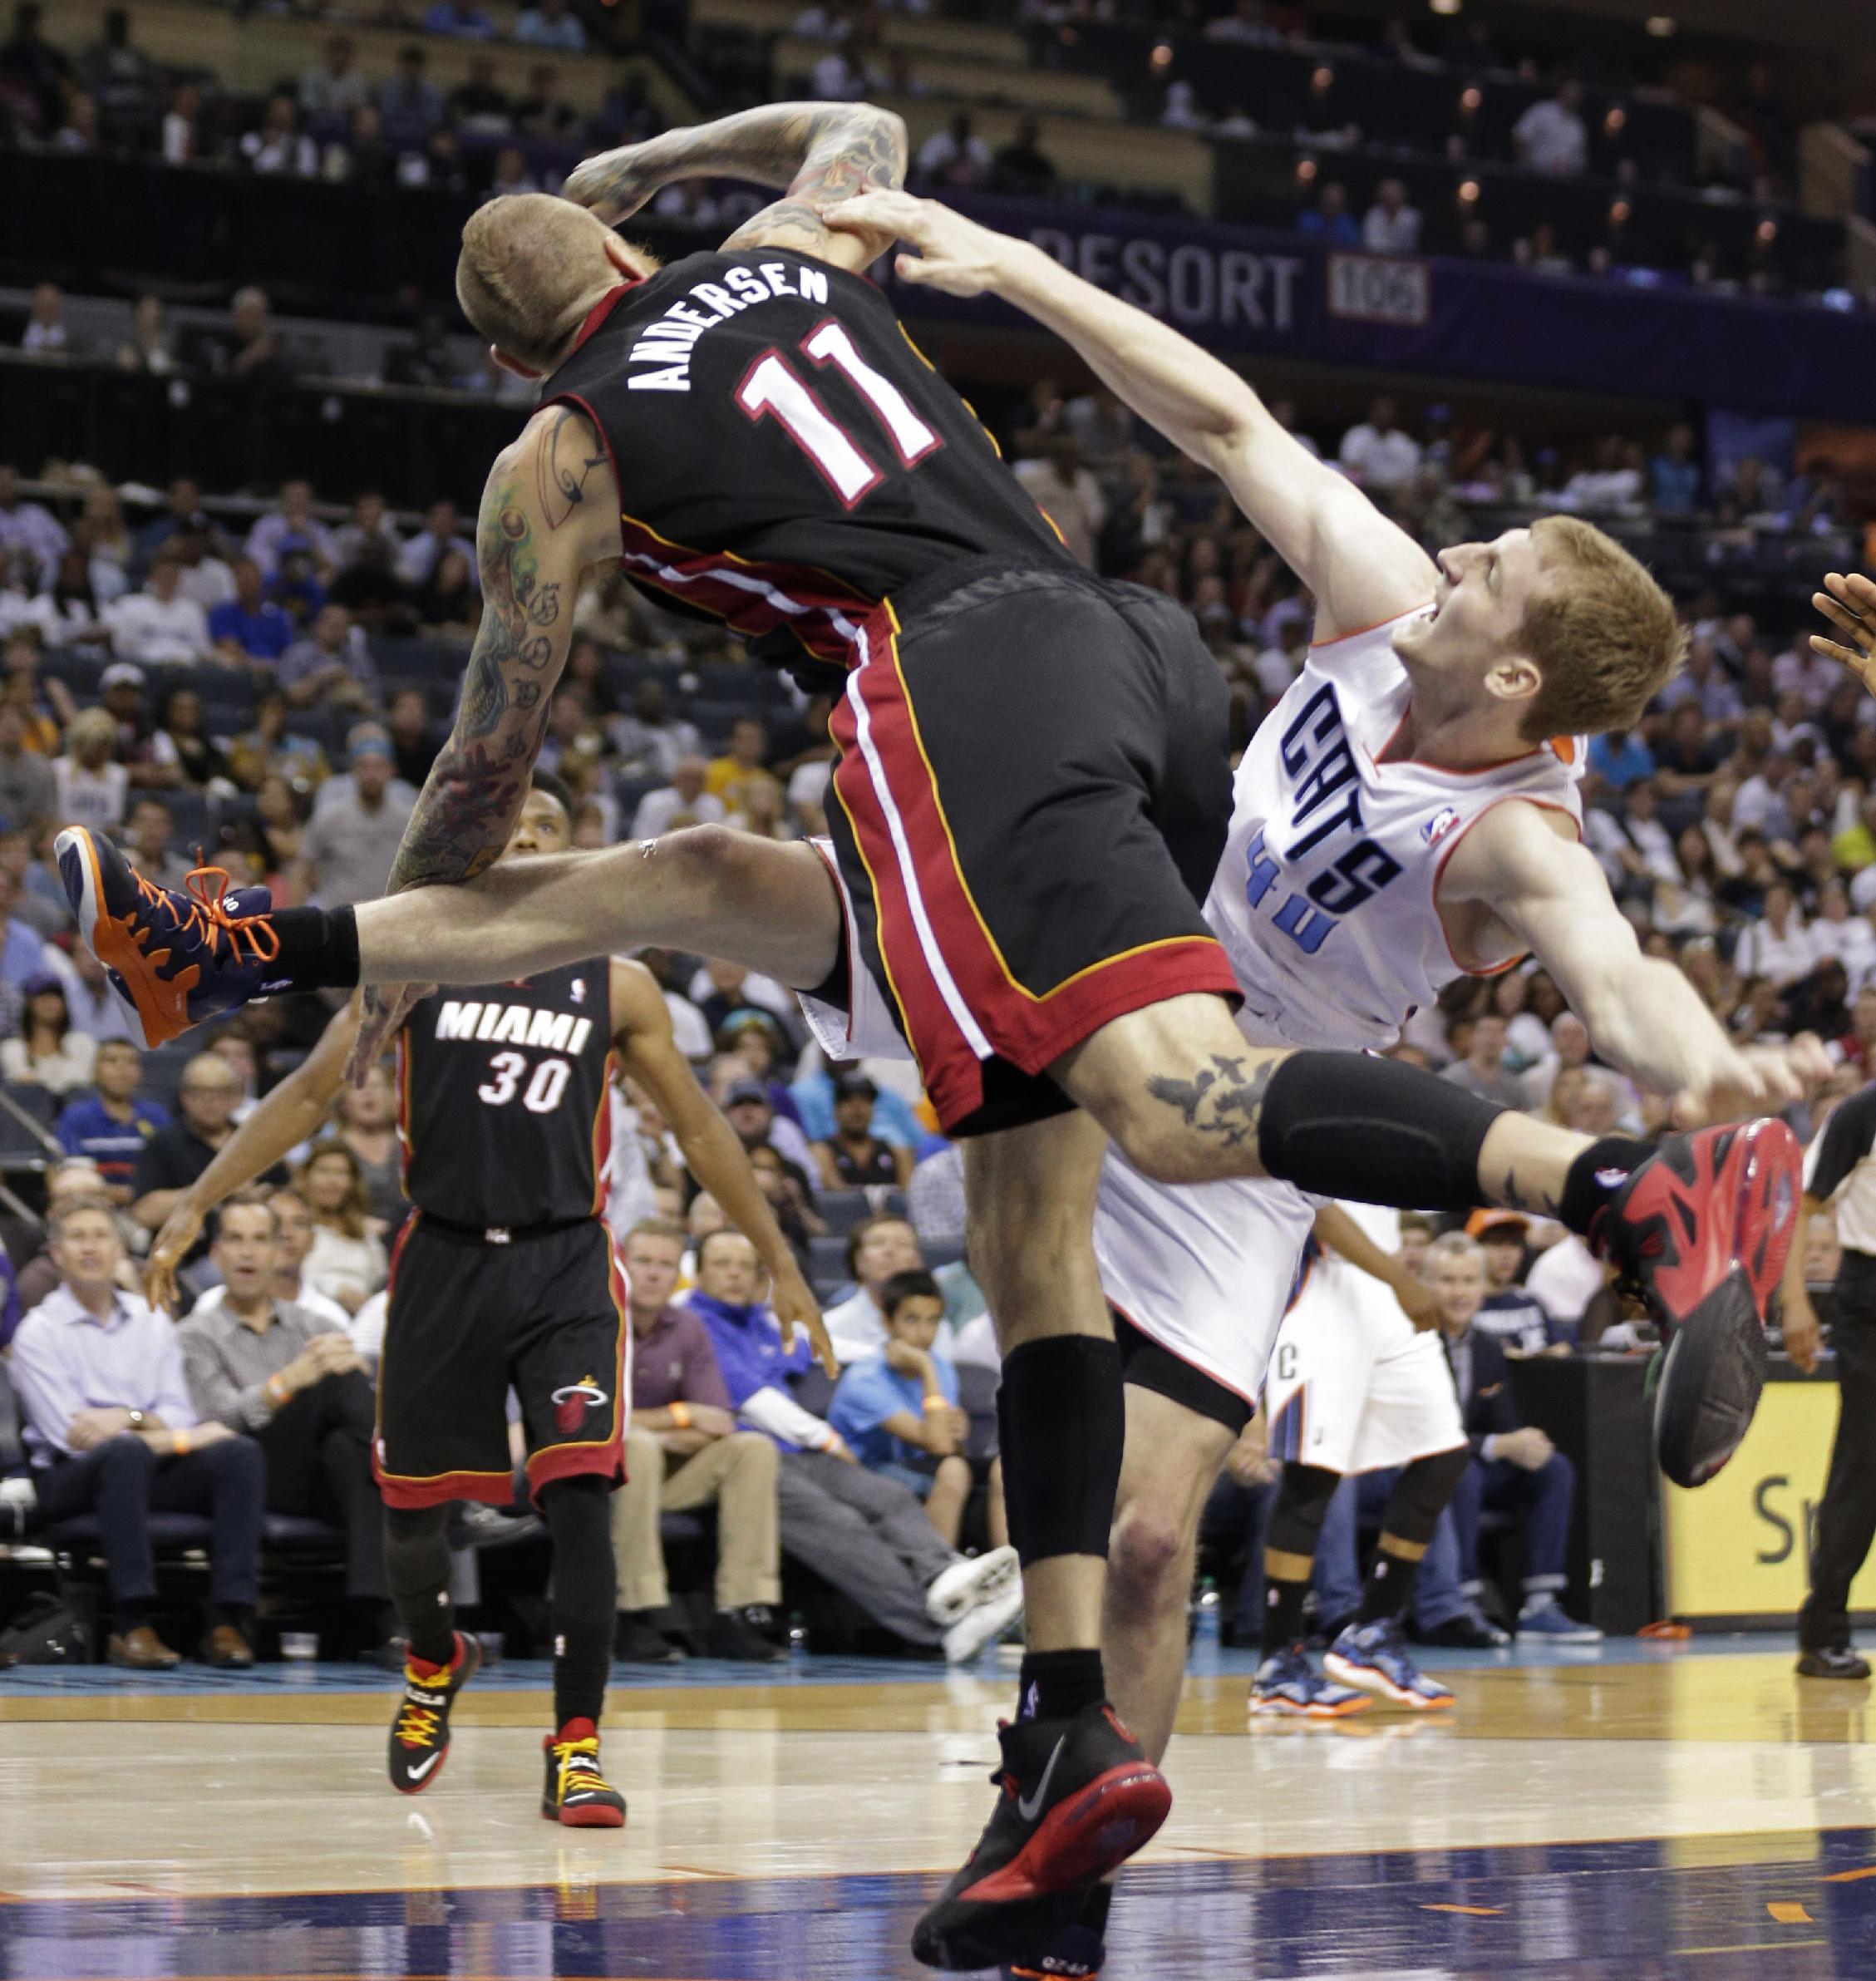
1626	1812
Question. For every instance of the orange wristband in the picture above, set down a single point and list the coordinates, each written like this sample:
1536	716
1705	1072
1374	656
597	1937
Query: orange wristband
680	1414
936	1403
278	1393
179	1445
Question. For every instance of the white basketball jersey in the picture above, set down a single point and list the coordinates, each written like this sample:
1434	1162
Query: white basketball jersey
1325	899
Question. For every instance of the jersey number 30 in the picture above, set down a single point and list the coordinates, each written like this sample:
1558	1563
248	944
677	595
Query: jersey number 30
772	385
543	1090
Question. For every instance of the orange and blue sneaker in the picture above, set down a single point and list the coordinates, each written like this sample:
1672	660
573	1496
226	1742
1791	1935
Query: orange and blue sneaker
1287	1685
174	956
419	1734
1703	1230
1079	1797
577	1794
1372	1658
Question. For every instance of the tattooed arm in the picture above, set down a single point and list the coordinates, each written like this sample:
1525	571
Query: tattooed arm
816	152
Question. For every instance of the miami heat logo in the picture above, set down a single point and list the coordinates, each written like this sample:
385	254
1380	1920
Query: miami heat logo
572	1401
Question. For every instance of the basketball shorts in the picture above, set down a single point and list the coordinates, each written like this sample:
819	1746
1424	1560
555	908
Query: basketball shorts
1030	801
1353	1387
1204	1270
545	1315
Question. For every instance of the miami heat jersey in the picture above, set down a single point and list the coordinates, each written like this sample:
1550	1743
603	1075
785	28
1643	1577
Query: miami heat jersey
504	1100
785	455
1325	899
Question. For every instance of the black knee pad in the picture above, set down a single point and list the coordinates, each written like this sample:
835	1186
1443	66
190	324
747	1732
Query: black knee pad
1347	1124
1421	1493
1061	1418
1302	1504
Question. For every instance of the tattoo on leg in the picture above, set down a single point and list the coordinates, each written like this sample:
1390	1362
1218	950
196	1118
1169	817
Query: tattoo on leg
1221	1101
1540	1203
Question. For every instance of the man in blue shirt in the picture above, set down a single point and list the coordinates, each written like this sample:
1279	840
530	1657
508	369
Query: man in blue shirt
112	1124
865	1535
1620	759
250	626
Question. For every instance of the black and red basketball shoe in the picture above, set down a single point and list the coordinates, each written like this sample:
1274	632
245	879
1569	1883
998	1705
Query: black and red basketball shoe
1703	1228
1079	1797
419	1735
577	1794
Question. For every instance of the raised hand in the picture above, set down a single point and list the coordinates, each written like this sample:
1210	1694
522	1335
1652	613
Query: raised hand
1849	603
954	254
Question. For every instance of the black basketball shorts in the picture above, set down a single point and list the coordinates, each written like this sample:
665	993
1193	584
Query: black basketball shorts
1031	798
469	1320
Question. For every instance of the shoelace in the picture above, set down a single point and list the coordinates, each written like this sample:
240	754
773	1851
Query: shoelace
416	1725
580	1759
209	918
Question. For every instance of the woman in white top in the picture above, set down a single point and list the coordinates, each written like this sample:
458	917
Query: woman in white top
1778	947
1838	933
347	1262
50	1052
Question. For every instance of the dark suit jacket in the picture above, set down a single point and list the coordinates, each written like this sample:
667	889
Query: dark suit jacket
1489	1409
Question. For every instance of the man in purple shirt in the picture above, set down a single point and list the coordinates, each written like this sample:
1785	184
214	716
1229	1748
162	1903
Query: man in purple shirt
683	1451
112	1432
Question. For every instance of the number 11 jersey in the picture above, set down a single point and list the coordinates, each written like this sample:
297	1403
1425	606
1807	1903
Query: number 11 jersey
785	456
503	1104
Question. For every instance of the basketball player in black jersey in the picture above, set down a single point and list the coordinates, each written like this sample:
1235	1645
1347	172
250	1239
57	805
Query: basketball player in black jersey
1031	798
505	1274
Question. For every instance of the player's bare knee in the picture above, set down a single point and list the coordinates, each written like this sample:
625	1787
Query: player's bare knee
1148	1555
711	857
1164	1147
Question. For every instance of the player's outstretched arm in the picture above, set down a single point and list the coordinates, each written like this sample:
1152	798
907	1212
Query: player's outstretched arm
818	152
716	1156
1362	567
291	1113
1849	603
1336	1230
1643	1016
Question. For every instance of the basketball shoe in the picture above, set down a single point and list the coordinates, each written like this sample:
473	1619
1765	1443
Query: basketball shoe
174	956
1373	1657
576	1793
419	1734
1287	1684
1080	1796
1702	1229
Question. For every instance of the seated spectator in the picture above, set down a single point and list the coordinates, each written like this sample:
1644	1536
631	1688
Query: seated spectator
249	627
1514	1470
426	362
74	614
279	146
347	853
46	335
291	521
175	1156
447	601
1022	168
749	744
295	1385
1512	1314
294	1234
791	1199
865	1535
347	1262
25	954
332	668
1674	474
1390	226
1551	136
877	1248
1621	758
749	1106
1376	454
369	522
683	1451
112	1432
111	1126
409	96
335	88
955	159
853	1156
366	1113
1329	219
250	351
462	18
50	1051
27	788
95	1007
1480	1067
270	750
898	1411
441	532
29	528
651	741
511	174
158	626
180	753
684	801
479	103
1778	946
150	830
1061	483
551	24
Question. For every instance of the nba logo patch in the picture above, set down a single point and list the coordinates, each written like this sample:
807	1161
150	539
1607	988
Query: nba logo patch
572	1401
1439	825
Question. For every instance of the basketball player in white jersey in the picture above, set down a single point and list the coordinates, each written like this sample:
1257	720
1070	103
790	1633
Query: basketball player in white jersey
1395	826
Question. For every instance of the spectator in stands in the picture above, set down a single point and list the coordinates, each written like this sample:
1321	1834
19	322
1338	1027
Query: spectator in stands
1778	946
1390	226
447	602
347	1262
369	522
89	787
462	18
1060	484
1479	1065
347	851
748	1104
409	96
479	103
335	88
1620	759
249	350
366	1116
109	550
151	829
291	521
955	159
249	627
151	347
853	1156
511	174
111	1126
181	499
1514	1471
551	24
1510	1312
174	1157
1329	219
29	529
683	1451
27	787
182	125
1674	478
50	1052
46	335
896	1409
112	1432
73	616
288	1379
121	78
1022	167
279	146
1376	453
294	1231
1551	136
728	774
179	752
414	744
877	1248
332	668
650	741
864	1533
684	801
441	531
37	74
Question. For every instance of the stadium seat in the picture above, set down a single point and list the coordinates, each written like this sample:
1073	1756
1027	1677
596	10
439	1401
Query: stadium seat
843	1208
827	1260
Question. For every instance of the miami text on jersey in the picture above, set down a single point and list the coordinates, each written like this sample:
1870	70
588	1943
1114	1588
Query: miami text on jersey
512	1025
668	341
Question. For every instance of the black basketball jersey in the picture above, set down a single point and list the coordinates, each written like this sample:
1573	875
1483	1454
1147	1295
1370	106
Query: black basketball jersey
785	455
502	1099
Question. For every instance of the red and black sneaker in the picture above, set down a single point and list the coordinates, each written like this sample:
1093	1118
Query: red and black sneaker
1702	1229
1079	1797
419	1735
577	1794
